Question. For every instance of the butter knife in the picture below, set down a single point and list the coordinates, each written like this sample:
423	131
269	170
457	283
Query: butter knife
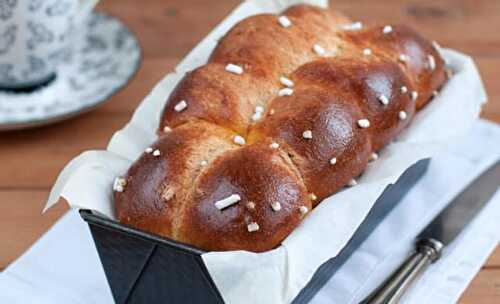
443	229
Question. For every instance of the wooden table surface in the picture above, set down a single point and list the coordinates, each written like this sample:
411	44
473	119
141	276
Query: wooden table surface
167	30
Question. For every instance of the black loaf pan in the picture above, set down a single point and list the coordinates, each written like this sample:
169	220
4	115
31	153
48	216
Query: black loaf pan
144	268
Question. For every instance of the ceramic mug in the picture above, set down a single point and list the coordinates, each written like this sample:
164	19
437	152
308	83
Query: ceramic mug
35	37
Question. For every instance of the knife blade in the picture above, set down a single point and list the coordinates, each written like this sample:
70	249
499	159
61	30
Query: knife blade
464	207
442	230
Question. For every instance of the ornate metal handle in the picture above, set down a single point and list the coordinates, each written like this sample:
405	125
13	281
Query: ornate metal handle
427	252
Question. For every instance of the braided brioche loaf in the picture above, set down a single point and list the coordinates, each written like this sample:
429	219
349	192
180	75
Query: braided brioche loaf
288	110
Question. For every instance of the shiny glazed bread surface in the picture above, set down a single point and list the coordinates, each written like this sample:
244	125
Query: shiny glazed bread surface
226	134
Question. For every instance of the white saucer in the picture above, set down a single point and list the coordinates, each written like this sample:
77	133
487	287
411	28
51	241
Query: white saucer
105	60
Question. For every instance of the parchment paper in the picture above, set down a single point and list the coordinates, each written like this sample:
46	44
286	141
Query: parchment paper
278	275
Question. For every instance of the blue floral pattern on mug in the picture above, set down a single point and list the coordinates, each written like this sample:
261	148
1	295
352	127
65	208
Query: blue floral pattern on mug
37	66
35	5
59	8
7	8
7	38
6	71
35	37
105	58
39	34
61	55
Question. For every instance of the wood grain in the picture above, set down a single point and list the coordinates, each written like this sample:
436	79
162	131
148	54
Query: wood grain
167	30
485	289
22	222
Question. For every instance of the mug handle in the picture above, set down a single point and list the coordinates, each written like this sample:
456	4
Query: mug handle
85	7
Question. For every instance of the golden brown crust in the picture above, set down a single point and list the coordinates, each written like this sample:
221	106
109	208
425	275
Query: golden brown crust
302	146
362	83
258	174
332	119
404	41
158	186
219	97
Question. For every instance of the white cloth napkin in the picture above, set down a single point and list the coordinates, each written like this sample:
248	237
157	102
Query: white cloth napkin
46	273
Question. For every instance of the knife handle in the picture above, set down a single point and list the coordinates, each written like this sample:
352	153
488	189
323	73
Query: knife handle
427	252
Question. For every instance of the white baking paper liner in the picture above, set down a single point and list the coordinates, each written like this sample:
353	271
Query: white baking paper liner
278	275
